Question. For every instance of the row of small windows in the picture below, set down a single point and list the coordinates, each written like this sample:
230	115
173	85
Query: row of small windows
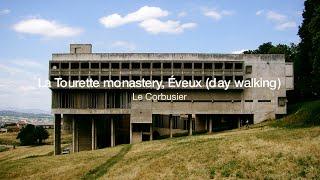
158	78
137	65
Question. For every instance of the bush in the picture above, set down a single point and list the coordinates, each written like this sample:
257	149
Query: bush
32	135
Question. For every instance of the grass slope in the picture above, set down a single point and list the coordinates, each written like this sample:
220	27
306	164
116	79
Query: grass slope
261	152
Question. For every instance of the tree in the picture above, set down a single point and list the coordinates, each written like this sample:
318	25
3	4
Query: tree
41	134
268	48
307	65
31	135
26	135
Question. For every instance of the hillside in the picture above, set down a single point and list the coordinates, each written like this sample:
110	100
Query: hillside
272	150
258	152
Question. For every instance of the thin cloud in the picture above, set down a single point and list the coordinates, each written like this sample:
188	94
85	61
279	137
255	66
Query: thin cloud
5	11
142	14
156	26
182	14
217	15
46	28
258	13
286	25
280	21
274	16
239	51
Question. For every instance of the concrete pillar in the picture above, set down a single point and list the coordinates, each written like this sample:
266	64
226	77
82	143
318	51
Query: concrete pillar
130	133
210	125
93	134
206	124
170	125
190	124
151	132
112	132
57	134
75	138
239	125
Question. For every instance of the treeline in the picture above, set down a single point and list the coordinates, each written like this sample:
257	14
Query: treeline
305	55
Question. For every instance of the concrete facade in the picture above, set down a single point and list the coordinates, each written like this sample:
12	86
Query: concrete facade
103	117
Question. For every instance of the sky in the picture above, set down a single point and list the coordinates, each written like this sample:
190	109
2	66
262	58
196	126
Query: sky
30	31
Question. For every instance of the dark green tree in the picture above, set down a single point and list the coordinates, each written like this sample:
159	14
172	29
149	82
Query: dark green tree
268	48
41	134
27	136
307	64
31	135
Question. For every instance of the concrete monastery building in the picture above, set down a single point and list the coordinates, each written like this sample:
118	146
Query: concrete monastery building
104	116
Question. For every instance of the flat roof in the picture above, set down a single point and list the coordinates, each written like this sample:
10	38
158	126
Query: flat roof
163	57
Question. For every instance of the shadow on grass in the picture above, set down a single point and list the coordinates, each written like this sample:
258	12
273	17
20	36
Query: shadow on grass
103	168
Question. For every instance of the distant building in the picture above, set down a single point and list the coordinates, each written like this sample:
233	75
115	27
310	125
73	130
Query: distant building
22	123
103	117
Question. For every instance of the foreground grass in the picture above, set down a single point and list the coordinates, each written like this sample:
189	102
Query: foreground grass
259	153
268	153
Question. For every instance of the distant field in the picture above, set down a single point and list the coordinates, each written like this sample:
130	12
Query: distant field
286	149
10	138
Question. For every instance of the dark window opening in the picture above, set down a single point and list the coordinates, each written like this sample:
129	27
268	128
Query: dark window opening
124	77
104	65
115	66
125	65
207	77
95	78
238	78
94	65
135	78
52	78
158	78
228	78
84	77
166	65
74	65
65	78
188	78
188	65
282	101
156	65
135	65
228	65
263	100
165	78
248	69
178	78
218	65
103	78
198	78
74	78
177	65
84	65
145	65
249	100
114	78
238	65
207	65
146	77
218	78
197	65
64	65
